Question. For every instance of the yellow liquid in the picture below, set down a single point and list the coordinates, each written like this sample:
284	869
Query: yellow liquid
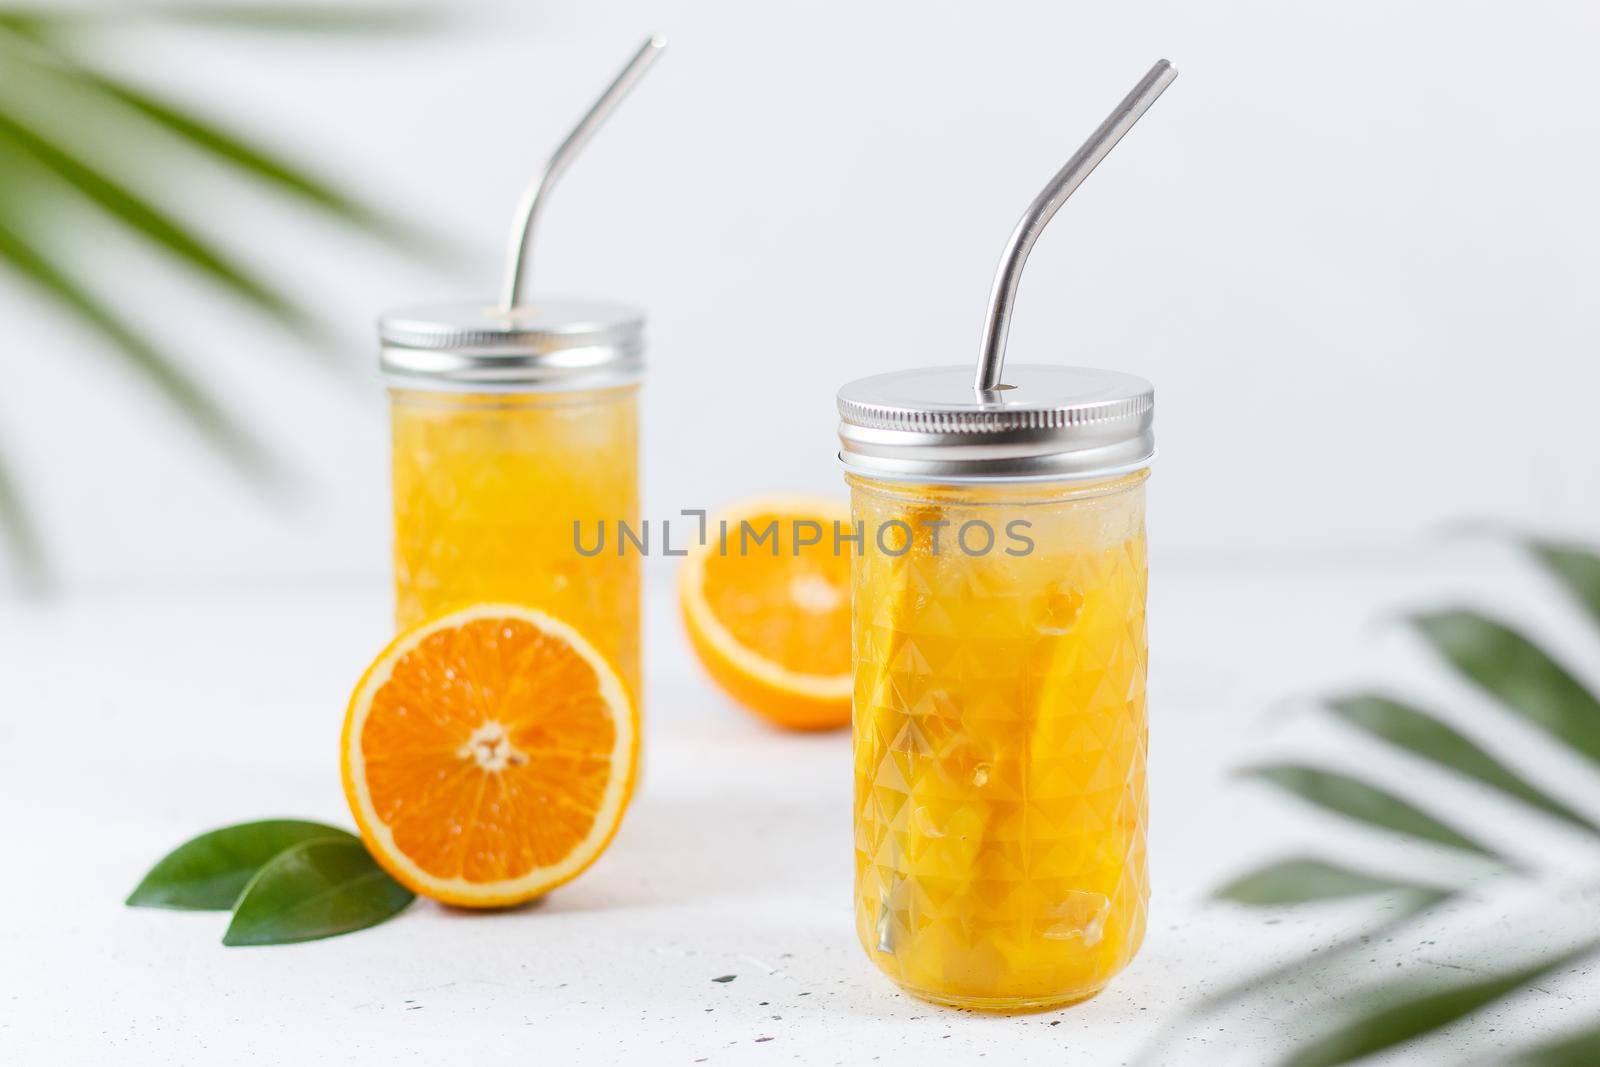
1000	741
486	490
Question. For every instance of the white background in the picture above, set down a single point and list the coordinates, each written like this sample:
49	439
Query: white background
1352	246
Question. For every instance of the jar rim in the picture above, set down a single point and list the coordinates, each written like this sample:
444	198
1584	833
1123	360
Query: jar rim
1047	423
476	346
1141	471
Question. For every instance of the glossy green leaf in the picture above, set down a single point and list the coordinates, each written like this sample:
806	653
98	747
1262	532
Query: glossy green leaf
313	890
1405	1015
1524	677
21	537
150	223
1576	567
23	257
1432	739
1575	1050
1340	793
1306	880
207	873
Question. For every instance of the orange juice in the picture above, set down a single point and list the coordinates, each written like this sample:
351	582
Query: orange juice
1000	740
999	662
515	464
495	494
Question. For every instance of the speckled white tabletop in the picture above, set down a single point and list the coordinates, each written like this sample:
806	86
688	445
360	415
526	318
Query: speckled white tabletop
128	723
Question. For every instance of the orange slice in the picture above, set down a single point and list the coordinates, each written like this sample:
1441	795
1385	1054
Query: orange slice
773	627
488	755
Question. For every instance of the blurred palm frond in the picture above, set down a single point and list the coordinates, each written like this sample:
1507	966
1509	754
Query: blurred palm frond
293	17
49	188
1348	1016
21	535
156	228
24	258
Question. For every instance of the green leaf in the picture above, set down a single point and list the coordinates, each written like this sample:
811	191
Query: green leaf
1519	673
31	24
257	162
188	397
315	889
156	227
301	17
237	152
1576	567
314	18
207	873
1417	1014
1355	799
1306	879
1576	1050
227	146
27	552
1432	739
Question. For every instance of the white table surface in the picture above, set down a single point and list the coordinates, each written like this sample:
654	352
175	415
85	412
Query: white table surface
130	722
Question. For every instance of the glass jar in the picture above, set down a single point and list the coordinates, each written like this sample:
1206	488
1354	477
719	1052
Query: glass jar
515	445
1000	661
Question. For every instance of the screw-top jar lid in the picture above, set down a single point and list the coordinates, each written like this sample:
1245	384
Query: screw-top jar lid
568	344
1047	422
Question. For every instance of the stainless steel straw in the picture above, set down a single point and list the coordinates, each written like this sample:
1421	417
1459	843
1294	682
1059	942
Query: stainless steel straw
582	133
997	322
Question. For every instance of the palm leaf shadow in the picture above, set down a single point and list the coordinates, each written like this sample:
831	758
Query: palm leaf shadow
1533	689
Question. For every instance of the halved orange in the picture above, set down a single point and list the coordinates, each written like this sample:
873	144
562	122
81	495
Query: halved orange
488	755
770	617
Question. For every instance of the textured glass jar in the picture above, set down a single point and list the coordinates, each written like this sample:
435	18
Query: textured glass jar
1000	661
1000	737
515	460
493	495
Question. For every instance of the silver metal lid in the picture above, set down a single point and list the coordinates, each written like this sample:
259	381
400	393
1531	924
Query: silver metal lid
567	344
1047	423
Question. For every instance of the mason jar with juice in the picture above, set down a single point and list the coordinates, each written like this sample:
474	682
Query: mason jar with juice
1000	730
